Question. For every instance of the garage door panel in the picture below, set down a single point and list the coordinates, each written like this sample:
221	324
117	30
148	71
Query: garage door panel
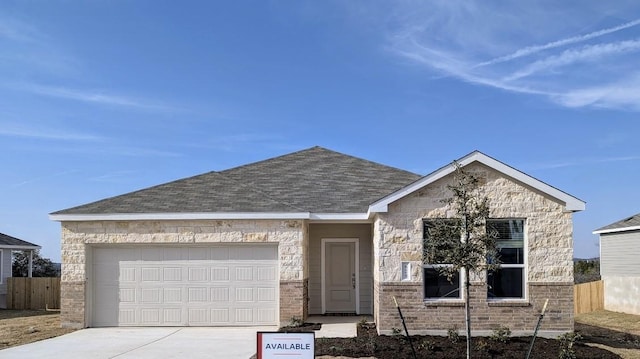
220	274
220	316
244	295
181	286
199	316
266	273
199	274
127	316
244	273
220	295
127	274
172	274
266	295
244	315
173	295
150	274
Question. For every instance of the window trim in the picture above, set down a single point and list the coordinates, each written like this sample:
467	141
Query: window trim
1	266
524	265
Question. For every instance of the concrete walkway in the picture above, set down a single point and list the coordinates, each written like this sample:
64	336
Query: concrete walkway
154	343
337	326
144	343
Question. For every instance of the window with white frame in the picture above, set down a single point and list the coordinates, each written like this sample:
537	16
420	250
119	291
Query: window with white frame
439	285
508	281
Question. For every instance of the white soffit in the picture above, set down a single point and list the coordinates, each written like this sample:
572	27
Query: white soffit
571	203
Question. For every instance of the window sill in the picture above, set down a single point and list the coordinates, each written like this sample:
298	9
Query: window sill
444	303
508	303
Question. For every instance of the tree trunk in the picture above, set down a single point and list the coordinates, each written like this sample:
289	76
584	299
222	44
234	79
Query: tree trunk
467	311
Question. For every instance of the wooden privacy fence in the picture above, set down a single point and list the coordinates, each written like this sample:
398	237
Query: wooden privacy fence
33	293
588	297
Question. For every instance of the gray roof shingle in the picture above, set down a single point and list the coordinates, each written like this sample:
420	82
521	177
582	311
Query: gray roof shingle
314	180
8	241
633	221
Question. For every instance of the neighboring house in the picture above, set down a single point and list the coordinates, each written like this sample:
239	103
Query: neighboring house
619	264
313	232
9	244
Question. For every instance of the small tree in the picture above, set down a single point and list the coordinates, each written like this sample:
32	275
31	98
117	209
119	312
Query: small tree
42	267
463	242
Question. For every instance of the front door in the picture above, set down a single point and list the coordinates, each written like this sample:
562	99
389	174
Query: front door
340	277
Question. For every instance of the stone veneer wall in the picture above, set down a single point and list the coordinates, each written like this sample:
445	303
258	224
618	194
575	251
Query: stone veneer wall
548	266
292	237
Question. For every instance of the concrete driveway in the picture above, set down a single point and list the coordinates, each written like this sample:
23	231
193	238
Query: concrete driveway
152	343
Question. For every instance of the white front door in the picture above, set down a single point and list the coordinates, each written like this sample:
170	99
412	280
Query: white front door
340	277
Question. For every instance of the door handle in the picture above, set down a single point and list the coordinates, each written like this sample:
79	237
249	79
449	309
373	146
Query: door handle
353	280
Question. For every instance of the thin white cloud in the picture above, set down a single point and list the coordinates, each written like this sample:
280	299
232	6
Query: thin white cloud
16	130
595	69
568	57
117	176
42	178
584	162
95	97
622	94
18	31
529	50
240	142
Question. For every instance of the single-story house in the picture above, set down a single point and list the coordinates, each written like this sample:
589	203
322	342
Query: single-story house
619	265
8	244
310	233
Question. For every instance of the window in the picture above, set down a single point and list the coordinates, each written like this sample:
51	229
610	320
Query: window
1	264
508	281
436	284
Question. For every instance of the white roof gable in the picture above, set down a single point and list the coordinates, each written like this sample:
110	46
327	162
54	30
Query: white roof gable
571	203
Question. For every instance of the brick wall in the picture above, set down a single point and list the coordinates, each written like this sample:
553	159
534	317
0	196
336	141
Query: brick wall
294	299
435	318
398	236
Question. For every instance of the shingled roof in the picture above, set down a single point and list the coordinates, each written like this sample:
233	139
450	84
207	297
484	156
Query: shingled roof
629	223
7	241
315	180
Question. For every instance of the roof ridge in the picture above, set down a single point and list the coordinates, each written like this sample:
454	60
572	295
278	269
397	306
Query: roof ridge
273	158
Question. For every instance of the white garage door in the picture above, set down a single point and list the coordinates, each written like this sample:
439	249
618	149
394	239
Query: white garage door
223	285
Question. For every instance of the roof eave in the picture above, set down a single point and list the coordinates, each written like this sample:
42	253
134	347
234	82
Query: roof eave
19	247
210	216
615	230
572	204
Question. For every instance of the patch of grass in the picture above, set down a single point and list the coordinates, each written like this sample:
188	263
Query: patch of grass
628	323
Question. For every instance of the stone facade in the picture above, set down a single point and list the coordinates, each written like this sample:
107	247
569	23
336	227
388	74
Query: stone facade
291	235
398	234
395	237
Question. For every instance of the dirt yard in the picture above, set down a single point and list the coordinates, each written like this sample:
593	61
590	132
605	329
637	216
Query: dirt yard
614	332
19	327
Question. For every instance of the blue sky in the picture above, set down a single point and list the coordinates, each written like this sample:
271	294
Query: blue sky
99	98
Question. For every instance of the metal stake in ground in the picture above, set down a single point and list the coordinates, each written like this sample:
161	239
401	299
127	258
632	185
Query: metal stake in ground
405	329
544	308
